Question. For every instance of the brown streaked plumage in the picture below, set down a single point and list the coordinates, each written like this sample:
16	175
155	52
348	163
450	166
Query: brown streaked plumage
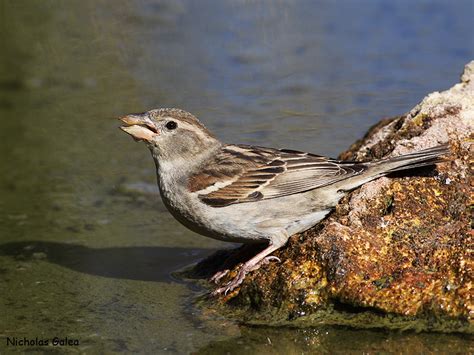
248	194
267	173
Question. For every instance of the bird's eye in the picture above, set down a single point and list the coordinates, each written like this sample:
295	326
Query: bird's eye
171	125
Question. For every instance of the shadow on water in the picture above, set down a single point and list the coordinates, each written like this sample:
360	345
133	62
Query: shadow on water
133	263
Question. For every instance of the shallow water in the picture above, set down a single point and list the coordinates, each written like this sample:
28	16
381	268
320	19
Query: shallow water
87	250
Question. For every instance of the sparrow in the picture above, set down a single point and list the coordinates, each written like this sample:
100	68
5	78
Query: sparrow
249	194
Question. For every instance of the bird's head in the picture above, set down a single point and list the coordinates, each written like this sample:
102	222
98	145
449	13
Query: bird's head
170	133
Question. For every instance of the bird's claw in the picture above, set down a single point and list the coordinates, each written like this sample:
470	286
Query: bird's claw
236	281
231	285
218	275
271	258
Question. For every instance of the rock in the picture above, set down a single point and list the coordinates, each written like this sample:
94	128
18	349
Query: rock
396	253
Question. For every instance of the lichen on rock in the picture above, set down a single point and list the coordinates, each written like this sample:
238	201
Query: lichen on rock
395	253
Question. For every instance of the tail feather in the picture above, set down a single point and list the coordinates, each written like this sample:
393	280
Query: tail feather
418	159
386	166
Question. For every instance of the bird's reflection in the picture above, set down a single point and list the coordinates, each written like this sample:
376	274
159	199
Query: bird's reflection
134	263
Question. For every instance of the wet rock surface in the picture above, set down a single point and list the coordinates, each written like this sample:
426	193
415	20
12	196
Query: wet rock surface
395	253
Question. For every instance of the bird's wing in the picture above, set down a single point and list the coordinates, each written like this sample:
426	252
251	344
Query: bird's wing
240	173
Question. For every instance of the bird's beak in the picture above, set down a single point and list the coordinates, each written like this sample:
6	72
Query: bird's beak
139	126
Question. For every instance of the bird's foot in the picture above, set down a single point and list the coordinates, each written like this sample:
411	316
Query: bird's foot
236	281
244	270
219	275
269	258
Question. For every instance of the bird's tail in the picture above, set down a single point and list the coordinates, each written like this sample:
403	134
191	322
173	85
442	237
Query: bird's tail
418	159
386	166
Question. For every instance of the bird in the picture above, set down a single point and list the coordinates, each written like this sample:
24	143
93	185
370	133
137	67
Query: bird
249	194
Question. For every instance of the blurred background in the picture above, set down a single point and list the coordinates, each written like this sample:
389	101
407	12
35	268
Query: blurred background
87	249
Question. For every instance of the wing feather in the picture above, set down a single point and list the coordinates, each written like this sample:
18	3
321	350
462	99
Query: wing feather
256	173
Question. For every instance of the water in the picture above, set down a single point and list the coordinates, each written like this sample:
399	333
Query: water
87	250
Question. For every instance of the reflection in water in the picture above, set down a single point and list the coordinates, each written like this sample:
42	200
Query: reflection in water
329	340
305	75
133	263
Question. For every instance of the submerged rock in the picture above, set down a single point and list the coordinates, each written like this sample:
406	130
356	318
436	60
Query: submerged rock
396	253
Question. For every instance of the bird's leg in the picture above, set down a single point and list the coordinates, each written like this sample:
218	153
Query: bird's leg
232	261
253	264
219	275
